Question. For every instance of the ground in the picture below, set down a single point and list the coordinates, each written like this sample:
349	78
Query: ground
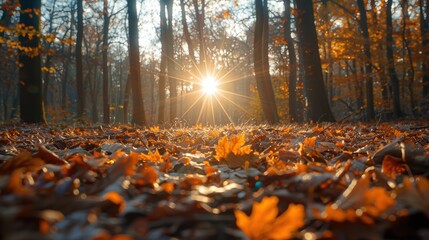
298	181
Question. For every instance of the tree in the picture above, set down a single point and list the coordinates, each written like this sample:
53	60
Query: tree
30	74
394	81
261	63
424	32
363	23
163	64
170	61
292	87
105	48
79	62
134	54
318	105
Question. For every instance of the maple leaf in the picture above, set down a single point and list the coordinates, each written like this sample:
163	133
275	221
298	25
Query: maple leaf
233	152
153	156
264	222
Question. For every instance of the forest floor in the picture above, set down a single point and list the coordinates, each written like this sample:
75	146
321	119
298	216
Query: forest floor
319	181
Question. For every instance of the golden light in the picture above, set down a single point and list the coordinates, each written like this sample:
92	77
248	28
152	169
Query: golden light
209	85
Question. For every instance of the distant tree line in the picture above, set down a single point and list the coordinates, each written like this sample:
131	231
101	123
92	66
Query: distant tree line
276	61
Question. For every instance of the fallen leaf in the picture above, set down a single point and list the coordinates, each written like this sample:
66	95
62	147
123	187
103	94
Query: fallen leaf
264	222
414	192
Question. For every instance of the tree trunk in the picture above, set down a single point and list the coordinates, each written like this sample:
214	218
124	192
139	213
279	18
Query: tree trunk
394	81
127	98
406	46
368	65
134	54
170	62
30	74
186	33
163	64
79	62
261	64
293	113
106	106
200	16
424	31
318	105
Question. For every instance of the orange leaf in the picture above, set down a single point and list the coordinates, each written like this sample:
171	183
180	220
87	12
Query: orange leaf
23	160
153	156
233	152
15	183
393	166
263	223
168	187
117	200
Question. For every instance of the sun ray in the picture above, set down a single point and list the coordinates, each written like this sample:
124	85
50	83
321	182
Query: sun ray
235	104
192	105
202	108
224	110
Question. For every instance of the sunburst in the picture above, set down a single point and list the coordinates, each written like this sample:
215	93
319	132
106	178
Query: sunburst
208	99
209	85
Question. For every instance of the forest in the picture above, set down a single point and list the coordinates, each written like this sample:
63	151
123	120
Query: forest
368	60
214	119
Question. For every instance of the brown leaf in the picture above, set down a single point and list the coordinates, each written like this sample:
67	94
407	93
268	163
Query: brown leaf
23	160
414	192
49	157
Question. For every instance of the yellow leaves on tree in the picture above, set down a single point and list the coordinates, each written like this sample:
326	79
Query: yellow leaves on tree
232	152
264	222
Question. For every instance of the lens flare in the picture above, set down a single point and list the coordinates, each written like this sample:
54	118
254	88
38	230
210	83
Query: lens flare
209	85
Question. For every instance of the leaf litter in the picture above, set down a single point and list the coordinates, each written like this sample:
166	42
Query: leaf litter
314	181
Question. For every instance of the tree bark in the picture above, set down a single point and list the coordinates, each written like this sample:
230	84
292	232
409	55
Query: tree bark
200	16
261	63
134	54
368	65
318	105
293	111
30	74
406	46
424	32
186	33
163	64
106	22
394	81
79	62
170	62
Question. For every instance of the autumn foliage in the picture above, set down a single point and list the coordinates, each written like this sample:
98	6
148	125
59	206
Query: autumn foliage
326	181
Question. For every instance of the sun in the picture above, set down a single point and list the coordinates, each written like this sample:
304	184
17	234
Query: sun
209	85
